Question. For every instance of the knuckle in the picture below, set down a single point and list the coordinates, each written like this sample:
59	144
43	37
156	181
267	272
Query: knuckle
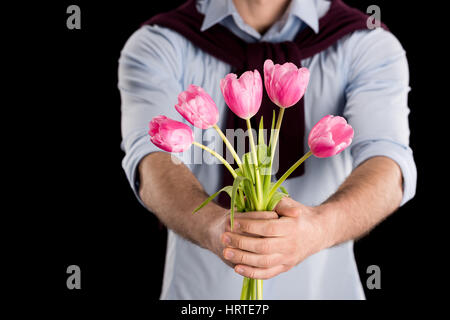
252	273
264	246
243	226
266	261
249	227
240	242
292	211
270	215
242	258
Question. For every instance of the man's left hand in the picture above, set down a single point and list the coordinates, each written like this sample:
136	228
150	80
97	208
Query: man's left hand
264	248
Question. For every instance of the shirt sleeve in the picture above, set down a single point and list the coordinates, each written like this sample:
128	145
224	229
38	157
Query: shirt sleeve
377	102
149	79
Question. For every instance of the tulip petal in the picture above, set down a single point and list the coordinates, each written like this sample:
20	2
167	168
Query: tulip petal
330	136
243	95
197	107
170	135
285	84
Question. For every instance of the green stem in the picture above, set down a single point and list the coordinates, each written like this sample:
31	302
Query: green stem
276	134
288	173
273	146
255	160
245	285
218	156
252	289
259	289
229	146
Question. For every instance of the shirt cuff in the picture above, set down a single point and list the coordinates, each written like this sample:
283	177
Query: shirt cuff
133	155
401	154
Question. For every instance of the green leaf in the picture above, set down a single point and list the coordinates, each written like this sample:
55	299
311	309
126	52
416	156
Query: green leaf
240	202
283	189
264	162
260	132
277	196
227	189
250	195
263	155
267	181
236	183
239	172
249	167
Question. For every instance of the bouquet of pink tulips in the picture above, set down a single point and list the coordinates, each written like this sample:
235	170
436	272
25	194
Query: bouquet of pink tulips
253	188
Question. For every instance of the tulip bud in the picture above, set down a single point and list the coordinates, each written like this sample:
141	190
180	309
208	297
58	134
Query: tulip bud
197	107
243	96
330	136
285	84
170	135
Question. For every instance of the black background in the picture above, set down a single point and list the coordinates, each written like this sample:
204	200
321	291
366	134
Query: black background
75	205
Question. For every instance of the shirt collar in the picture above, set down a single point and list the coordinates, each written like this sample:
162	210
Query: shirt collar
217	10
306	11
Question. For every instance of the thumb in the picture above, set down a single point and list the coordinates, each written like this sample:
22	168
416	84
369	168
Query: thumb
288	207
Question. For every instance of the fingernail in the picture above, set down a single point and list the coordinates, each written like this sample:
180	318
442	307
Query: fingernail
229	254
239	270
226	239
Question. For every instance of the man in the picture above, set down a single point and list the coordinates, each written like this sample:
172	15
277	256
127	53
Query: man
304	249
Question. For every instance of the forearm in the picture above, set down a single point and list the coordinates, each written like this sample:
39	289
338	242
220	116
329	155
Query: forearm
371	193
172	192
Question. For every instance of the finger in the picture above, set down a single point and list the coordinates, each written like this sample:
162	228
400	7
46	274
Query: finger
259	273
251	259
266	228
262	215
252	244
288	207
257	215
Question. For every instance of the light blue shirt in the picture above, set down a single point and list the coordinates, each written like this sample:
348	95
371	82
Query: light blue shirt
363	77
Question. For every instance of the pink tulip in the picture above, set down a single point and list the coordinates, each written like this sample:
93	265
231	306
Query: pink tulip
330	136
285	84
197	107
170	135
243	95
